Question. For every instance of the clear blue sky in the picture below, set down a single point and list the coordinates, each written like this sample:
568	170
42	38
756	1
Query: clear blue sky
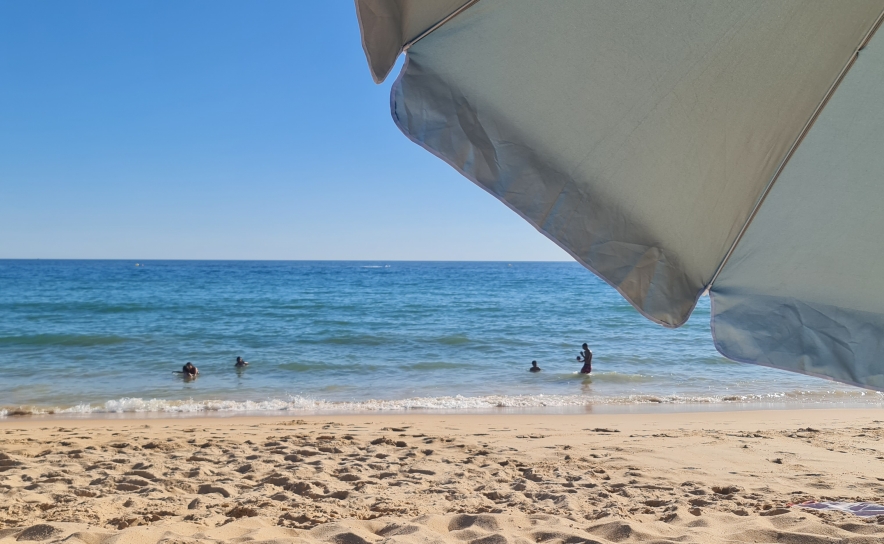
217	129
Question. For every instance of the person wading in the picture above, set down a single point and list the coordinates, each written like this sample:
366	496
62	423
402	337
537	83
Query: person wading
585	357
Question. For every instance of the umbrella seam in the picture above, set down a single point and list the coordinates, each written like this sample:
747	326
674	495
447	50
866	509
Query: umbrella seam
433	28
794	147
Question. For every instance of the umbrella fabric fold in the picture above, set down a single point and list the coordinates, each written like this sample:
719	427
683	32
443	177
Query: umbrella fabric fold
388	25
802	290
640	136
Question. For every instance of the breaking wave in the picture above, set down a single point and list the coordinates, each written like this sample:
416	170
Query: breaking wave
448	404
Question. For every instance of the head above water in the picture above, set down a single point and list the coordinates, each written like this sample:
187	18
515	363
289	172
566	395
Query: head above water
585	346
239	359
533	363
188	364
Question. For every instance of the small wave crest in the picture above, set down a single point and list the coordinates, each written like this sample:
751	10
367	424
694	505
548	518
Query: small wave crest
619	377
439	365
452	340
610	377
308	405
71	340
456	403
306	367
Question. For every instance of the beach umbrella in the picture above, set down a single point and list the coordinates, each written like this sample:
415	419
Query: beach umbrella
674	148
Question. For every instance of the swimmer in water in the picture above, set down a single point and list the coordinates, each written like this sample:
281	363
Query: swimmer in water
585	357
534	367
189	370
240	363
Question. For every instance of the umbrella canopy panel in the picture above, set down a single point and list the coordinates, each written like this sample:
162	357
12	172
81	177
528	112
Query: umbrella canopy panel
802	290
637	135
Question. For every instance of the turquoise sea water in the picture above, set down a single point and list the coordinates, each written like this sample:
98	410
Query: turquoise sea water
106	336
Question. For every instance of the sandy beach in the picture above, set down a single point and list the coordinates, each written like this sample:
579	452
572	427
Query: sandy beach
703	477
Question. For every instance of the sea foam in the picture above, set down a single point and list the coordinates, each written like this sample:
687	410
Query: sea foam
457	404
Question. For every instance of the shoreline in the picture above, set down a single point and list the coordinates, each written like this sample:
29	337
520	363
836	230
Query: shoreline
647	409
634	420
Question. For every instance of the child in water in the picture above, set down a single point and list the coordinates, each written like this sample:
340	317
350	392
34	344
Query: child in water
189	370
585	357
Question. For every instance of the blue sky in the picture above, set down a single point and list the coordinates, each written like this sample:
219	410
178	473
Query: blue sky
228	130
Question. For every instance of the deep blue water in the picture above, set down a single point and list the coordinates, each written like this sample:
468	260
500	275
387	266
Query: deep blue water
107	336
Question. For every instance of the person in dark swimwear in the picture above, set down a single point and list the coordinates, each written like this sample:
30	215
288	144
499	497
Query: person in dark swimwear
240	363
585	357
189	370
534	367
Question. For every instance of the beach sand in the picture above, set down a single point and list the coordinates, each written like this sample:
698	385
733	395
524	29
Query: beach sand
704	477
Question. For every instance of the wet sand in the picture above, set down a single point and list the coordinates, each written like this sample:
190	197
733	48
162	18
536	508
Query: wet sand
704	477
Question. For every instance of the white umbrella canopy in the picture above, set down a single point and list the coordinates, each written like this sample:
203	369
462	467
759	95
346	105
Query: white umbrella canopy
674	147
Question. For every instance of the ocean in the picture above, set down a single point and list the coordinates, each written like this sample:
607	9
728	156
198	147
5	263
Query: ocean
105	337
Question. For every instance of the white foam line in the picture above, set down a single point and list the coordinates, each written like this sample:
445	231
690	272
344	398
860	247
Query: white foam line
450	403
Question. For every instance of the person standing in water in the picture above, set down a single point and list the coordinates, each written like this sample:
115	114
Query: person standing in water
534	367
189	370
240	363
585	357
